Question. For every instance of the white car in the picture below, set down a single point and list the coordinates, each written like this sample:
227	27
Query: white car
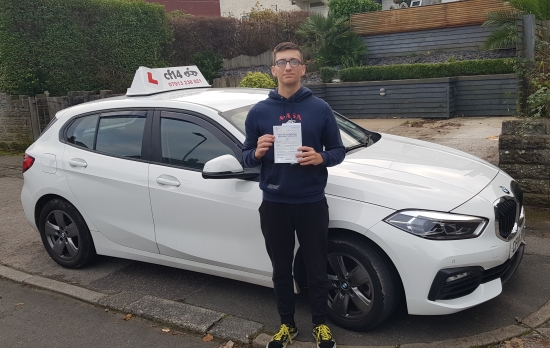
157	176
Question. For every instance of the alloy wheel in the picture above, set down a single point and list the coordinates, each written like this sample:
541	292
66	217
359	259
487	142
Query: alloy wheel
351	292
62	235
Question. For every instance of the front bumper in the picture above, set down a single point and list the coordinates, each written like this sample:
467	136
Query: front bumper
419	261
445	288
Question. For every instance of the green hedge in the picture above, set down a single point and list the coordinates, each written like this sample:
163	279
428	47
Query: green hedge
63	45
422	71
327	74
345	8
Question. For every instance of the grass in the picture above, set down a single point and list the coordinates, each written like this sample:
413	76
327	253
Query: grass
11	153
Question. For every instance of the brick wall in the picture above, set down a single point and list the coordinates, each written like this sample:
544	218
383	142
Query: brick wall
201	8
15	123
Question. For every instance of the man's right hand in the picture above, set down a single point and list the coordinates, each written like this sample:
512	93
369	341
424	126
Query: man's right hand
264	143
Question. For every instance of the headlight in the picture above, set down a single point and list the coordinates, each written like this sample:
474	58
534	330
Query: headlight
437	225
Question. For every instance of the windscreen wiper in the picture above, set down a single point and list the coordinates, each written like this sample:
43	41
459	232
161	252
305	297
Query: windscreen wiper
365	143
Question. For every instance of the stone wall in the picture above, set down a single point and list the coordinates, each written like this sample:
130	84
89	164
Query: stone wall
524	151
15	123
22	119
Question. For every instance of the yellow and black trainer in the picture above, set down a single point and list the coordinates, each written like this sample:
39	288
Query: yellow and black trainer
283	337
323	337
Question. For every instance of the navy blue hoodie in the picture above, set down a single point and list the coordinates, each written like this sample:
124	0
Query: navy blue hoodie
293	183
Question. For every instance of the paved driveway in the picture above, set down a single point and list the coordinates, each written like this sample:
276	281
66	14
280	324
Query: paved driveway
20	248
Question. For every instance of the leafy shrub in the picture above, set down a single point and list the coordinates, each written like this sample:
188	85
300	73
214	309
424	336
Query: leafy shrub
331	41
63	45
257	80
344	8
327	74
209	63
230	37
421	71
177	14
504	34
538	101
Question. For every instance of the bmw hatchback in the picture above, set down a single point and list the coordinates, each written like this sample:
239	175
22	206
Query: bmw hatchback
157	176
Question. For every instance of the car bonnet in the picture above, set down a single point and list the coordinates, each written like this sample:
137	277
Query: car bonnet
403	173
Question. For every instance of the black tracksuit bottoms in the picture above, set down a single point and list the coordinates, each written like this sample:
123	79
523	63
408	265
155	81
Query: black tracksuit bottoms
310	221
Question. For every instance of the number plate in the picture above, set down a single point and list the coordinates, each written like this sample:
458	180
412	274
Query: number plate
517	241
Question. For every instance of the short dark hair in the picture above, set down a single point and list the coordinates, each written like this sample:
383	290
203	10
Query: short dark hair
284	46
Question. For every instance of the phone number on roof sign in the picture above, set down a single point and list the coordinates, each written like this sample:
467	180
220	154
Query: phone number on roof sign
184	82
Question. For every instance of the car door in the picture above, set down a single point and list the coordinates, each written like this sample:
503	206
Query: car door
214	222
106	161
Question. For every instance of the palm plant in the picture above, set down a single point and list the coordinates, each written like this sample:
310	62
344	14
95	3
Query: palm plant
331	42
504	35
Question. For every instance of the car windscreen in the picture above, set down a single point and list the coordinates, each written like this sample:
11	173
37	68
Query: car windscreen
353	135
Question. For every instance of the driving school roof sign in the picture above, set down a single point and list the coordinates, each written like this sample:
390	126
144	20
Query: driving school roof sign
150	81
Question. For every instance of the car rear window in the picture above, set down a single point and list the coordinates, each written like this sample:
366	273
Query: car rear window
82	131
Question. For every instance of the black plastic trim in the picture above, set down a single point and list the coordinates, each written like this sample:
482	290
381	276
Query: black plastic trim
441	290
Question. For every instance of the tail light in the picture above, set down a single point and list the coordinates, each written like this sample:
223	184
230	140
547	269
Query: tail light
28	161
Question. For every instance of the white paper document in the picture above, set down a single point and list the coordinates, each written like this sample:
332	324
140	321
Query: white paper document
288	138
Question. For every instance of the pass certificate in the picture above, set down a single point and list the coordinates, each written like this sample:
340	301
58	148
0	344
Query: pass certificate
288	138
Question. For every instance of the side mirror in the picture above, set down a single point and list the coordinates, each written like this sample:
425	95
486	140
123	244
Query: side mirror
226	167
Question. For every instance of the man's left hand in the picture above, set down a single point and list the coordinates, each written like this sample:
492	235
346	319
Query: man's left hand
309	156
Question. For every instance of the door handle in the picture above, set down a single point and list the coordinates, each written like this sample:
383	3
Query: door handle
168	180
78	163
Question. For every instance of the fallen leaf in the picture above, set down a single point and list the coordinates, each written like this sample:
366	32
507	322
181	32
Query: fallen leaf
165	330
128	316
514	343
492	137
208	338
518	319
228	344
18	304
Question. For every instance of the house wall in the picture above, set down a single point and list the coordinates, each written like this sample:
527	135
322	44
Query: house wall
237	8
386	3
202	8
446	39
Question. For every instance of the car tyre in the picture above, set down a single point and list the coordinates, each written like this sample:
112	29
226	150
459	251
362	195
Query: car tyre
65	234
364	288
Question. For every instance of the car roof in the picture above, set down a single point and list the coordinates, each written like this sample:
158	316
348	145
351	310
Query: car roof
217	99
220	99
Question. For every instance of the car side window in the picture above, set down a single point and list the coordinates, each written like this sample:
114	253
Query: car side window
120	135
189	145
82	132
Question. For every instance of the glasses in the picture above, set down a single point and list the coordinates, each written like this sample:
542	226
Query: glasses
281	63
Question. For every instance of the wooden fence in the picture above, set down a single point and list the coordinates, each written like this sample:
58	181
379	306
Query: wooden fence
446	39
487	95
543	30
449	15
264	59
229	81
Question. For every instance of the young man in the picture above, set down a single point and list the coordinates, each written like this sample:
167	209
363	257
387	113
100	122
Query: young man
294	193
